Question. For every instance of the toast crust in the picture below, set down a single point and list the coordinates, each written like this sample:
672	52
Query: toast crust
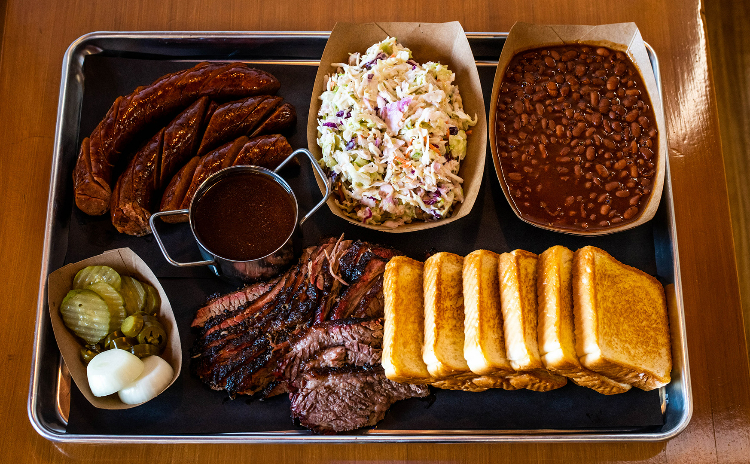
403	330
622	329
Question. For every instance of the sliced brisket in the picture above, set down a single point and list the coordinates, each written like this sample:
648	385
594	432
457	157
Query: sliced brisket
315	332
334	343
333	400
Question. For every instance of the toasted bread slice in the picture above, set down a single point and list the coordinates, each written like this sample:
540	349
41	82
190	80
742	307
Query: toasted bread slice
555	331
484	342
403	333
621	324
444	318
518	295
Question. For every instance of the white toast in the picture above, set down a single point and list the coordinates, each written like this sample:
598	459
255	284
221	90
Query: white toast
621	324
555	323
443	350
518	295
484	341
403	330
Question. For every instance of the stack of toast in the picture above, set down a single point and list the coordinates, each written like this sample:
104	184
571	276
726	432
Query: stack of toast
518	320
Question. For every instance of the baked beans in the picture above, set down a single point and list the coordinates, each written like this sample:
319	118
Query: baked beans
576	137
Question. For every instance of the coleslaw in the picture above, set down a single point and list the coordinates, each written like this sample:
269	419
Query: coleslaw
393	135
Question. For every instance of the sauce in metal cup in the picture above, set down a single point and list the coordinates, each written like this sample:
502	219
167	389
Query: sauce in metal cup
246	215
243	219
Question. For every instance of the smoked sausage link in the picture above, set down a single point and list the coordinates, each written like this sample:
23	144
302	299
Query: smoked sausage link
147	106
152	167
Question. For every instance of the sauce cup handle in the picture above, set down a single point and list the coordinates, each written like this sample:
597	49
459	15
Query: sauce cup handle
320	172
161	244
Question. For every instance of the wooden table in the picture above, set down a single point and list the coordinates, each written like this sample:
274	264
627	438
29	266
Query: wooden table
34	38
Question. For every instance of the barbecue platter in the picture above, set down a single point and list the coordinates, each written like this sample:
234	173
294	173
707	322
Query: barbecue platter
311	351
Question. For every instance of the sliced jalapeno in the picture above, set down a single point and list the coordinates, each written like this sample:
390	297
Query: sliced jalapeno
122	343
143	350
111	336
153	334
87	354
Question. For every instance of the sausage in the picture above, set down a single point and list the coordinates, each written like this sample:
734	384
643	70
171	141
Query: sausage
145	106
284	117
181	137
152	167
267	151
176	190
235	119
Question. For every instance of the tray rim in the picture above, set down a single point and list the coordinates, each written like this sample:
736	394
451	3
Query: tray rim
424	436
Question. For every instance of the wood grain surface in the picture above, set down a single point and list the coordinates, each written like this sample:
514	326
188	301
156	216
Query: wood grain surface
728	22
35	35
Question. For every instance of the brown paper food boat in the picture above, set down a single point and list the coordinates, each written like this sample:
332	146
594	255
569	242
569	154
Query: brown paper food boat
126	262
445	43
624	37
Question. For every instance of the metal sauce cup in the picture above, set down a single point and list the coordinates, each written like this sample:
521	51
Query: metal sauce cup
255	269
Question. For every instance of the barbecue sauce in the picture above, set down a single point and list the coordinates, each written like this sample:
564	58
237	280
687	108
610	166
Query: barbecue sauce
244	216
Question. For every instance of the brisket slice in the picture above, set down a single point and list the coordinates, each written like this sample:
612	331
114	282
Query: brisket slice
333	400
232	301
333	344
242	297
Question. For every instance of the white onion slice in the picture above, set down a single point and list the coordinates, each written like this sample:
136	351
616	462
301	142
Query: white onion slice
111	370
156	375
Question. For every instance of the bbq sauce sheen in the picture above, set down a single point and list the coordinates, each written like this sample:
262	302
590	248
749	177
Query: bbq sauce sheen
243	217
576	137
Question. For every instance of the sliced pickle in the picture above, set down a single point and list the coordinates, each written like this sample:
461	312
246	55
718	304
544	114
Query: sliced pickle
132	325
93	274
133	293
114	301
153	301
86	314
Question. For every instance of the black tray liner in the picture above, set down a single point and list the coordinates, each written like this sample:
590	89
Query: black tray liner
190	407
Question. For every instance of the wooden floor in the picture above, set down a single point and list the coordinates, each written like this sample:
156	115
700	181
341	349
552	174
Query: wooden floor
728	22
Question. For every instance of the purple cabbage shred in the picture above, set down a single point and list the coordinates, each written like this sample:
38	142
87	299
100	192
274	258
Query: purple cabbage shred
381	56
453	130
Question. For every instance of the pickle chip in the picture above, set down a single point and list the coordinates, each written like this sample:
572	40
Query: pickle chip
93	274
114	301
153	301
86	314
134	295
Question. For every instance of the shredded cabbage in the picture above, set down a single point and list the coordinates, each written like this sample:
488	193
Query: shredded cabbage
393	135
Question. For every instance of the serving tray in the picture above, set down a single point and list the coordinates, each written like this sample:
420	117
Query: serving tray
98	67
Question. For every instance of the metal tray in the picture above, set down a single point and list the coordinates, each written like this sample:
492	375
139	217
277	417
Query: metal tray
50	387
